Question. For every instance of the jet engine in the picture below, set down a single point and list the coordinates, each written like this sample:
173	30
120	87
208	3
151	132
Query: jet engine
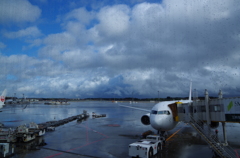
145	119
214	125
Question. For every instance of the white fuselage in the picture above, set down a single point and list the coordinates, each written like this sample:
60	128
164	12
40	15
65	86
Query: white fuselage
161	117
2	98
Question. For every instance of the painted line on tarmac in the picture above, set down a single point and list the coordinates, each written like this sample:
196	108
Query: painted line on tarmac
174	134
236	151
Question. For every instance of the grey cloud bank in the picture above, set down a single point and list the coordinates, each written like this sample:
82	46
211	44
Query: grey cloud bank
119	50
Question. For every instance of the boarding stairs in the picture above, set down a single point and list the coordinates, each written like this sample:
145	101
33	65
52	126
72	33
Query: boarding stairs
212	139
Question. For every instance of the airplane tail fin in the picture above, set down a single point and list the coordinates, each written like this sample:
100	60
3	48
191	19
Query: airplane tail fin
2	98
190	92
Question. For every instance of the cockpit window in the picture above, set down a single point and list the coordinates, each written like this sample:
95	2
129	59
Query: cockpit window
154	112
161	112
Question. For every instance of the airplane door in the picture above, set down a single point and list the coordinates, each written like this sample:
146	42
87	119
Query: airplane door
174	110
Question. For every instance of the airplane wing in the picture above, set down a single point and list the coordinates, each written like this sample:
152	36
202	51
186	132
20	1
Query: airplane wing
131	107
8	108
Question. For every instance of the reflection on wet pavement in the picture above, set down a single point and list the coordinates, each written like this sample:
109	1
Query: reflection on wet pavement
99	137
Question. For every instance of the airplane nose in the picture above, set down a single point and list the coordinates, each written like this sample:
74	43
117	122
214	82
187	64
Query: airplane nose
155	123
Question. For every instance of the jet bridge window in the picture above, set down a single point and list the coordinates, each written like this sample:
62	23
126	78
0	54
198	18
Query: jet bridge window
217	108
203	109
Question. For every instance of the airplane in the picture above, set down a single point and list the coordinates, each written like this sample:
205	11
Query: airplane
3	101
161	116
2	98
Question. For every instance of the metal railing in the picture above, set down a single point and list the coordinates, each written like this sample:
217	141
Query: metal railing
211	138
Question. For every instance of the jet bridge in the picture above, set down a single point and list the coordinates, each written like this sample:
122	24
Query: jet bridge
210	112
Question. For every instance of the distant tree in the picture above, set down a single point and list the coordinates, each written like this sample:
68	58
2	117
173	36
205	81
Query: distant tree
169	98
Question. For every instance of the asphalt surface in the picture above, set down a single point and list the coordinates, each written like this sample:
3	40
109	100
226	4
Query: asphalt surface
106	137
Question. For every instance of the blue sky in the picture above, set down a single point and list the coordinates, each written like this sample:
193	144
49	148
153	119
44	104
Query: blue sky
114	48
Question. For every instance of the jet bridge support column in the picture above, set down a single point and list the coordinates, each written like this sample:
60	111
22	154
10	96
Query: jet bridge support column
224	134
207	111
220	96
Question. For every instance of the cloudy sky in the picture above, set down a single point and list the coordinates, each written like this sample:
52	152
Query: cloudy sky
119	48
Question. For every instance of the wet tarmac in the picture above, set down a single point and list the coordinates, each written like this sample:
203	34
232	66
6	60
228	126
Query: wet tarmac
104	137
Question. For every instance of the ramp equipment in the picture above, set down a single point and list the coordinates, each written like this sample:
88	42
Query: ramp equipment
204	115
212	139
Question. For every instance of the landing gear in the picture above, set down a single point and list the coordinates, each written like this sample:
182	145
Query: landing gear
163	133
163	136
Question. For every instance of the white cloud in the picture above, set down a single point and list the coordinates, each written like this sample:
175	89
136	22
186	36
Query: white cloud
2	45
147	48
30	32
35	42
42	1
81	15
113	21
25	67
18	11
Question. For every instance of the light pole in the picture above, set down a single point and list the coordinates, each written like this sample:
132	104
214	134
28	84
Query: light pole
132	97
158	96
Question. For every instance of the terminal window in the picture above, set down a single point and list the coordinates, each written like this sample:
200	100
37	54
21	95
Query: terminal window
217	108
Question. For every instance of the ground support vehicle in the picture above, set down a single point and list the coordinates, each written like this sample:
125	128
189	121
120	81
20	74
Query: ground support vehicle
146	148
6	149
34	128
7	135
24	134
